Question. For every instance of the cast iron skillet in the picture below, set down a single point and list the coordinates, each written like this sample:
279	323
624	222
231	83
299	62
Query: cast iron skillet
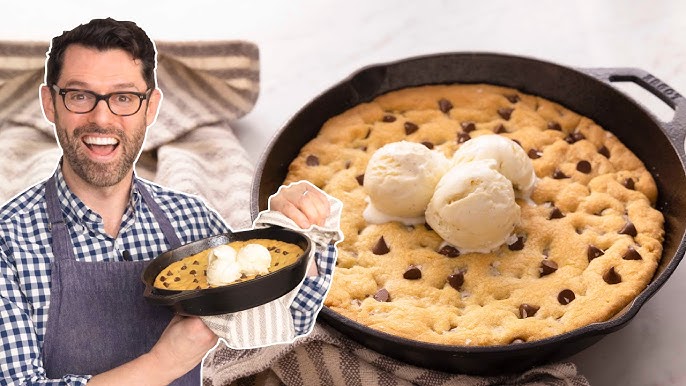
234	297
660	145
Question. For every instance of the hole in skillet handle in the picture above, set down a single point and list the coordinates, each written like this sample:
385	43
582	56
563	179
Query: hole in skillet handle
654	104
233	297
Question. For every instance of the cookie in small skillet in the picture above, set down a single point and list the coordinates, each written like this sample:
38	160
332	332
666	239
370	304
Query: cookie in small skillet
190	273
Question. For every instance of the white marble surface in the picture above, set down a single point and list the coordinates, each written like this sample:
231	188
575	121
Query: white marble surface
307	46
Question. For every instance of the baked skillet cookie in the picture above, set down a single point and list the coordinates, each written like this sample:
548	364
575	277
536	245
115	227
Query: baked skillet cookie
586	246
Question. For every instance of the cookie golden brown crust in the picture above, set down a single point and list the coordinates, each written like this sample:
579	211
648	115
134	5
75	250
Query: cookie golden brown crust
190	273
588	244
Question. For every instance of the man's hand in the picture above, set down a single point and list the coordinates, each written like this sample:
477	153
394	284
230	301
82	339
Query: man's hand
302	203
181	347
183	344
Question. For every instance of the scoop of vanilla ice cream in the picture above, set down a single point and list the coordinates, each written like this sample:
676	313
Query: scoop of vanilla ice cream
511	160
400	179
254	259
222	267
474	207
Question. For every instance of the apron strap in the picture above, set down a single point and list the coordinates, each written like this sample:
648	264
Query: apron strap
62	248
160	216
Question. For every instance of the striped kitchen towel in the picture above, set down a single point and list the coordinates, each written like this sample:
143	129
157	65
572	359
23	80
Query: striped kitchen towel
326	357
191	147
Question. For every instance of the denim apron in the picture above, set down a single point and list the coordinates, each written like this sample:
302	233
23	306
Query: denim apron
98	318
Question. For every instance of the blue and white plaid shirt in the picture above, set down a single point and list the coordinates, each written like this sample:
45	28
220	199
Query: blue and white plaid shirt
26	254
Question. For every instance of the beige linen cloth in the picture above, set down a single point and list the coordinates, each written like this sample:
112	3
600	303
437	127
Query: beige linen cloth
192	148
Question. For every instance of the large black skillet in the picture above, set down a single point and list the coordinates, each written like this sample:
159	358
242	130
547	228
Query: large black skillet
233	297
658	144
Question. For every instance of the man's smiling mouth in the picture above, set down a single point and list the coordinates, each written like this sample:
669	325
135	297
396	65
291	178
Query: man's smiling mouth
101	146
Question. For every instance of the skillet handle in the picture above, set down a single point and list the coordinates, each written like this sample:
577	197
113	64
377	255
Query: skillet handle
167	300
676	128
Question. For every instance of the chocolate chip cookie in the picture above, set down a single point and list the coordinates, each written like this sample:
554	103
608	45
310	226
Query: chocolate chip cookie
190	273
588	243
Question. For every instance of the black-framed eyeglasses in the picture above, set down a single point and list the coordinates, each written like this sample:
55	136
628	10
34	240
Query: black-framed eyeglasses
121	103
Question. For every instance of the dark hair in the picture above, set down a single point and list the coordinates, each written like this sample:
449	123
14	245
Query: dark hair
103	34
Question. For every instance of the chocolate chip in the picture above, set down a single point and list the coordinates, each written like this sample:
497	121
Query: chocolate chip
584	167
196	281
413	273
566	296
382	295
500	129
347	164
380	248
449	251
363	148
410	128
277	250
463	137
428	144
559	175
192	272
513	98
285	253
388	118
360	179
163	278
169	273
534	154
456	280
594	252
632	254
628	229
555	214
547	267
312	160
166	285
629	183
505	113
517	341
612	277
177	279
198	287
604	151
196	262
183	268
444	105
552	125
468	126
574	137
527	311
517	245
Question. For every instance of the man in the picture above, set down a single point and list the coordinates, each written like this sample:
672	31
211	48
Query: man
72	248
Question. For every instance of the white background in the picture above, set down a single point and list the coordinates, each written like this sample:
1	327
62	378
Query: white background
307	46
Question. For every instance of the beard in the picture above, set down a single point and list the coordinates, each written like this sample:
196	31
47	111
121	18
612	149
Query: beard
100	174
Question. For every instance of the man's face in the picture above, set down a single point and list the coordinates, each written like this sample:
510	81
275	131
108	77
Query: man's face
100	147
